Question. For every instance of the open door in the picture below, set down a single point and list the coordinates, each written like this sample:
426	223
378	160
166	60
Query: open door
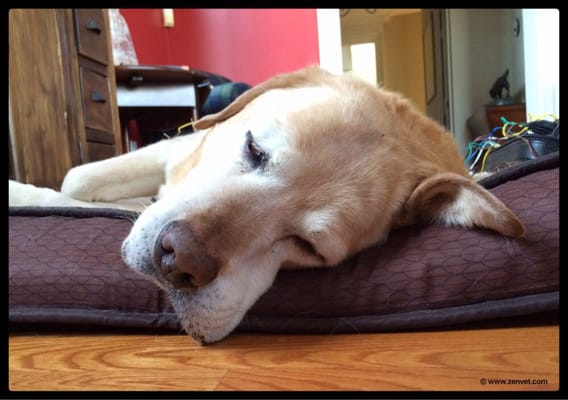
435	66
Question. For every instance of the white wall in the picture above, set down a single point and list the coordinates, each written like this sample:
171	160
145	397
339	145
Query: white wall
541	35
481	47
491	53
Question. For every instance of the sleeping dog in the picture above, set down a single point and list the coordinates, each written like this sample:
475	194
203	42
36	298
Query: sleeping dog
301	171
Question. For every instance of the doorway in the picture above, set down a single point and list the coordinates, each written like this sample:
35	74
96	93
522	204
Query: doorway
444	60
383	33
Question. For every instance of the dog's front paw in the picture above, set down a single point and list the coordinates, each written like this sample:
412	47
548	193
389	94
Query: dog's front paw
80	183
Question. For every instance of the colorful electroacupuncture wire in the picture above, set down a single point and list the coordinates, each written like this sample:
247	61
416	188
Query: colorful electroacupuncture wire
482	146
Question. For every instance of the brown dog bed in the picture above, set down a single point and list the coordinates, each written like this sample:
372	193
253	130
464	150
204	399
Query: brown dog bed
65	269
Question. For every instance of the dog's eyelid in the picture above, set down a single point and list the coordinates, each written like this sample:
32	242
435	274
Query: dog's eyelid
257	156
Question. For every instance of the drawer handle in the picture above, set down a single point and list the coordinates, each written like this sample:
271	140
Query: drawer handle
136	79
93	26
97	97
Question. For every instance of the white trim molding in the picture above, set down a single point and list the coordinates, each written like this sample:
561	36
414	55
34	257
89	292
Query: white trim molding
329	40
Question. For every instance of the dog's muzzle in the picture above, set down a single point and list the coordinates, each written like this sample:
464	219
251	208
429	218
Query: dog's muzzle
182	259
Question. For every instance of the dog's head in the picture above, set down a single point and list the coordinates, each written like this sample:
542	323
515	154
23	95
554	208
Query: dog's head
300	171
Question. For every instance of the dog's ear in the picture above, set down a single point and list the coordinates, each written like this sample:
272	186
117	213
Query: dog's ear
452	199
310	75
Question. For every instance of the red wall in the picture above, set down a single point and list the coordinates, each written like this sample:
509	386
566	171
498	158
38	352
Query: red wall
246	45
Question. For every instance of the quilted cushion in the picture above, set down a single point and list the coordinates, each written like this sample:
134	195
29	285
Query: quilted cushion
65	268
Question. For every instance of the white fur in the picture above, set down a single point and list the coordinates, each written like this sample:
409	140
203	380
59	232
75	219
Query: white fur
463	210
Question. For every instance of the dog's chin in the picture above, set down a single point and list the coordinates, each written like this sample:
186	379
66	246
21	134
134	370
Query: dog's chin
204	321
209	313
201	311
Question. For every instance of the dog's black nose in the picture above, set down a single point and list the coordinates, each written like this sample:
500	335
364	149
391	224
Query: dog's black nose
181	258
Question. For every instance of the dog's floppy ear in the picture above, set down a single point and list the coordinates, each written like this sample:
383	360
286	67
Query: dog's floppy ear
452	199
299	78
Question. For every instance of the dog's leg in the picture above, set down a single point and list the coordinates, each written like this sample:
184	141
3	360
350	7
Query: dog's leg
27	195
134	174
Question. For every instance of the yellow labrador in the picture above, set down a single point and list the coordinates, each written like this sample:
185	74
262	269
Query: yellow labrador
300	171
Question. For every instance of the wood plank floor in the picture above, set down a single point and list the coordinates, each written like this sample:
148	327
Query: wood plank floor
525	358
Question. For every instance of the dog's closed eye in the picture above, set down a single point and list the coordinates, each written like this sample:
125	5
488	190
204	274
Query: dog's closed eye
254	153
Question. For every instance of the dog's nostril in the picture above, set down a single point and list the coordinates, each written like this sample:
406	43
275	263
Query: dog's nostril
168	261
170	271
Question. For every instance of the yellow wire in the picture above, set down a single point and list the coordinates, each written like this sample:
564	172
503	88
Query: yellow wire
507	135
542	116
484	159
514	134
184	126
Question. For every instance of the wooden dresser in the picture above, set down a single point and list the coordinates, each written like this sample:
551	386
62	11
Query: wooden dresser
512	112
62	93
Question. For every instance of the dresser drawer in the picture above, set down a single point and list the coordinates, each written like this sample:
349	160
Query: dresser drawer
92	41
96	100
99	151
95	135
511	112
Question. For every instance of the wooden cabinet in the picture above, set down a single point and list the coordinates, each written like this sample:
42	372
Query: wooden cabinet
62	93
512	112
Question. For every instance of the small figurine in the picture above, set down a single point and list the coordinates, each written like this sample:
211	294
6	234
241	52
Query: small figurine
496	90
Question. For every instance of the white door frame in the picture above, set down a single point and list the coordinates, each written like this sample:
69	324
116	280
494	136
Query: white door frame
329	40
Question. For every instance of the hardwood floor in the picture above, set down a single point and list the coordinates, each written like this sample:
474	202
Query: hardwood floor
446	360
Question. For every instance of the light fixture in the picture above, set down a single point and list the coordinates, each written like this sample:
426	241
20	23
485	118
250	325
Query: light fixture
168	14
